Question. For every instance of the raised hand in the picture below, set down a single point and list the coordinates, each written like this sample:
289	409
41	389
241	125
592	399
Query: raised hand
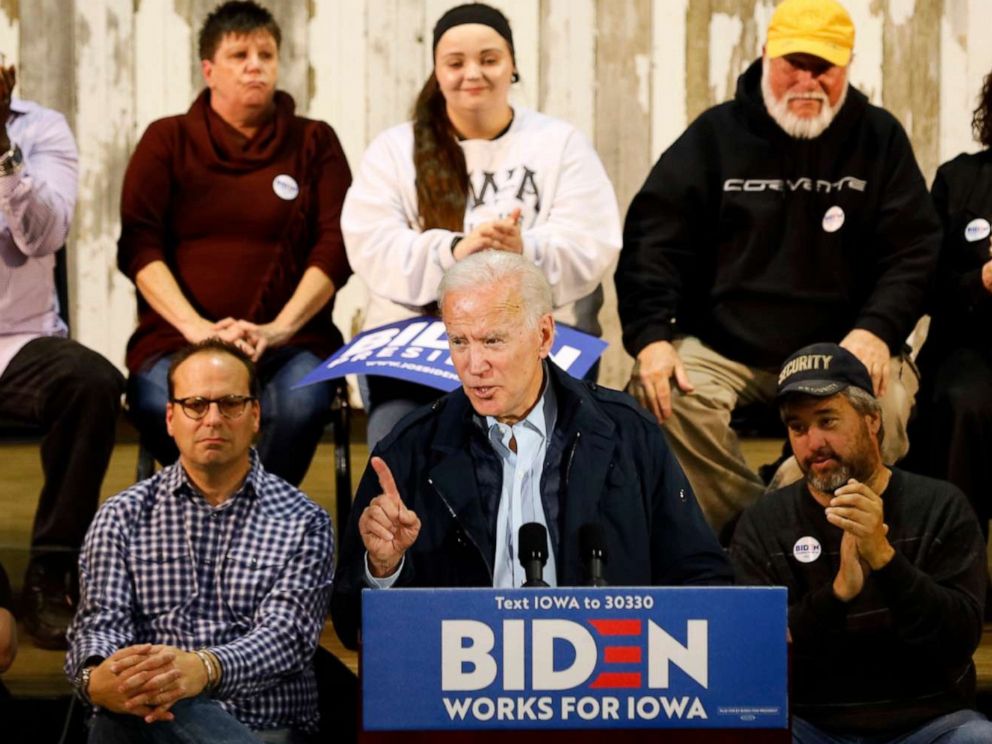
504	234
850	578
387	527
501	235
859	511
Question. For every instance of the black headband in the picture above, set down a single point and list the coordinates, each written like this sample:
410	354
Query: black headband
474	13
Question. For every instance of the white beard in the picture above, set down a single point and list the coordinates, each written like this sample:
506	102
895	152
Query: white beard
800	127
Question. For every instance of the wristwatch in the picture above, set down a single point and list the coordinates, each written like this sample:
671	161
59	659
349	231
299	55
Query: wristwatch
11	161
82	684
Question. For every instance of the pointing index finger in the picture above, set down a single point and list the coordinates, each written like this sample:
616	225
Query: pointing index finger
386	480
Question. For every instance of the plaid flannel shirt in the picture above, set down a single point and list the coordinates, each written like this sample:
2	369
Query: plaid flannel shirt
248	580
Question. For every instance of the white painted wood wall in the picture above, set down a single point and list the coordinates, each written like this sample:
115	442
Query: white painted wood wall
629	73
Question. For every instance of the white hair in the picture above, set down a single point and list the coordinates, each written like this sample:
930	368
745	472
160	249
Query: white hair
800	127
500	267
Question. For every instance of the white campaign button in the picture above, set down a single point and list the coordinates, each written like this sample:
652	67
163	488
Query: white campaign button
806	549
833	220
977	229
285	187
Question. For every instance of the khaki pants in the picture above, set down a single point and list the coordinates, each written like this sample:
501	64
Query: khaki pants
708	449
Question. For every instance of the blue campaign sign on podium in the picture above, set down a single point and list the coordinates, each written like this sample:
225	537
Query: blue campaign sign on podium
621	658
416	350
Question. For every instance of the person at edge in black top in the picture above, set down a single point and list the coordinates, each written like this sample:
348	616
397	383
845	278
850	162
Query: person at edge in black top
952	434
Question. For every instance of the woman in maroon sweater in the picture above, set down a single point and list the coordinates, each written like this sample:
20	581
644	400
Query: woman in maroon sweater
230	227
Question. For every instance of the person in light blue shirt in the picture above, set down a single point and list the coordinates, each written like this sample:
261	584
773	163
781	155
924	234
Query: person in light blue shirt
47	380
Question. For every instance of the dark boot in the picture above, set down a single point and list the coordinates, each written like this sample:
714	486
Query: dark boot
47	600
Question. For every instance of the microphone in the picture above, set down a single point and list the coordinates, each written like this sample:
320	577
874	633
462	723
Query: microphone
592	548
533	552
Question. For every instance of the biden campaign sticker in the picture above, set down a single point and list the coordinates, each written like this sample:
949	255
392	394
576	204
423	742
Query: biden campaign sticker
833	220
806	549
285	187
977	229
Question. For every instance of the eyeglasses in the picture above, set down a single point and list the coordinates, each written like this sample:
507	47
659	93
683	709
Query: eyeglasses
230	406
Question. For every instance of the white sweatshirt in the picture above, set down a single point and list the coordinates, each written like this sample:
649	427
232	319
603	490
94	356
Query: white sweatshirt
570	221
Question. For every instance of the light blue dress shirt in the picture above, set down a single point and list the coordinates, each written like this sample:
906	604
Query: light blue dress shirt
520	497
520	500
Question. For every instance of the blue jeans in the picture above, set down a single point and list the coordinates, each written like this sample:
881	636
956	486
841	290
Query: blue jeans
198	720
292	420
283	736
960	727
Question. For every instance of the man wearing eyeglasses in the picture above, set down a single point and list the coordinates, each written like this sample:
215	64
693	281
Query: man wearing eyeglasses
204	588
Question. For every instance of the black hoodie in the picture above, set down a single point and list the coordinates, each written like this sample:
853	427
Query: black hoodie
728	241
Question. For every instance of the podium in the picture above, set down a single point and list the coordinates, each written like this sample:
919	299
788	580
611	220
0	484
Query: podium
680	664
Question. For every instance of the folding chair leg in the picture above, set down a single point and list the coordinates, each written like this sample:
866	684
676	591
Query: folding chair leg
146	464
340	423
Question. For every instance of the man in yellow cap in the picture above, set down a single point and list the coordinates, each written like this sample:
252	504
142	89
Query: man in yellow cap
793	214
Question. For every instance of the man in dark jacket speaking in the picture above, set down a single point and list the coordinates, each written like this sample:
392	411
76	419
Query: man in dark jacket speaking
445	494
795	213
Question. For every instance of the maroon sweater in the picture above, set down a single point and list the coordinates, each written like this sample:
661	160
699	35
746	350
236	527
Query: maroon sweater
201	198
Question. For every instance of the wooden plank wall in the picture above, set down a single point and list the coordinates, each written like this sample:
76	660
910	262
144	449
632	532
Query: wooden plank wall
629	73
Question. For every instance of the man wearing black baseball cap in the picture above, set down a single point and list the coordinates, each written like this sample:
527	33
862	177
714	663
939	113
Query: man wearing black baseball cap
885	570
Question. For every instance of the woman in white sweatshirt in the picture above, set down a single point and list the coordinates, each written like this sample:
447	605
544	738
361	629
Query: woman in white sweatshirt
472	173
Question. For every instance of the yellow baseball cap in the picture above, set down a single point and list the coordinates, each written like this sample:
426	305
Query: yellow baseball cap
819	27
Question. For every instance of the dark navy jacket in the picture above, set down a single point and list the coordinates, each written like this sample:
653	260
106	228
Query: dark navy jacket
607	462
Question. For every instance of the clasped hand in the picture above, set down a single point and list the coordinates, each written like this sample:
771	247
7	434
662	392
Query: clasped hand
252	338
146	680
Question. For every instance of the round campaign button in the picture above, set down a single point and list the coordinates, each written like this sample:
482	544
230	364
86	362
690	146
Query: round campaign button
285	187
833	220
977	229
806	549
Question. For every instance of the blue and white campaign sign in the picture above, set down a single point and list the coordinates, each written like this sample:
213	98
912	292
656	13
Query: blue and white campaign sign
417	350
622	658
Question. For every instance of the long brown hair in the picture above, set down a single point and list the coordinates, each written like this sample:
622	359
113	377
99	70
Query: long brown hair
981	120
442	176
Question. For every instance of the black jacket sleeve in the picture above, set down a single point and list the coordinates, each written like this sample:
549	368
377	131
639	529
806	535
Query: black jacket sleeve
907	235
959	291
685	552
937	607
664	228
